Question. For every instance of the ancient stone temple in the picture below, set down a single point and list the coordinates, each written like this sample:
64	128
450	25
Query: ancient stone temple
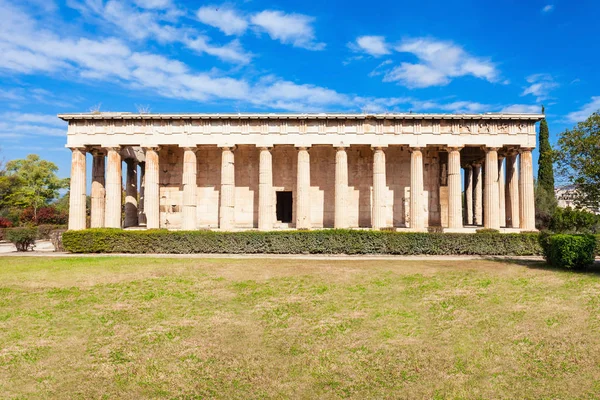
303	171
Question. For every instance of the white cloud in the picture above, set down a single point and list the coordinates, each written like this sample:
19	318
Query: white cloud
232	52
439	62
373	45
587	110
154	4
14	124
228	20
294	29
152	24
540	86
522	109
548	8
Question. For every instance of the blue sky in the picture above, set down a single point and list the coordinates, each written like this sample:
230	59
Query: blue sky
298	56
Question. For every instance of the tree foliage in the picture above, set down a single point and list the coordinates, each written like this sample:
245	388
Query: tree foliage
545	170
578	159
32	182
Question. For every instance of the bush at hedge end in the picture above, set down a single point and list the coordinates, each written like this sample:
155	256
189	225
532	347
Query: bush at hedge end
569	251
22	238
330	241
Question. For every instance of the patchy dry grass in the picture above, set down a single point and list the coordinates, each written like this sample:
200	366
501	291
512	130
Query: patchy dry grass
175	328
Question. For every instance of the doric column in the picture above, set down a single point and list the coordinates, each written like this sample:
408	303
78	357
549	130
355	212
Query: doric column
513	217
114	187
131	194
98	190
477	192
341	189
265	190
152	189
501	190
528	199
188	213
303	220
417	219
455	219
468	195
141	212
378	213
227	208
77	220
491	218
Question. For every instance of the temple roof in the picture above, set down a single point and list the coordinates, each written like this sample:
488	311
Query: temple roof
279	116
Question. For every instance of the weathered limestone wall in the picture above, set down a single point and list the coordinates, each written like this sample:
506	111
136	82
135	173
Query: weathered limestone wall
246	186
322	186
208	178
360	182
170	182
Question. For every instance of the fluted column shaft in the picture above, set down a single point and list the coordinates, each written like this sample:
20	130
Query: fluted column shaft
189	189
131	194
141	212
265	190
227	208
98	190
501	192
417	218
114	187
491	218
303	220
341	188
528	199
455	219
468	195
512	194
379	188
77	220
477	195
152	189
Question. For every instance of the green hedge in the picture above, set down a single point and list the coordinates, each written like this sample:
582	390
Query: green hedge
569	251
330	241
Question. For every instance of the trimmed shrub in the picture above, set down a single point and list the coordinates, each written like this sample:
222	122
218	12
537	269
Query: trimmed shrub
569	251
330	241
22	238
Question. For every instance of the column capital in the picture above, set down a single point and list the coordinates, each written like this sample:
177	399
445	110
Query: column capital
468	166
525	149
341	146
113	148
193	148
97	152
230	147
302	147
488	149
80	148
265	148
452	148
415	148
379	148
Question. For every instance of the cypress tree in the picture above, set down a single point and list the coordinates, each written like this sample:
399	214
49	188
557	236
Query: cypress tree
545	171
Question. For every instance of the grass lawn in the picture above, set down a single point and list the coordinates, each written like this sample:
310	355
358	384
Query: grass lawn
103	327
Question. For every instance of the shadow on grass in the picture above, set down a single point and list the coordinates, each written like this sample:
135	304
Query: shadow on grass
593	270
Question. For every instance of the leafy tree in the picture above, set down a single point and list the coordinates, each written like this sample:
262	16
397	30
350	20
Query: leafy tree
545	171
578	159
37	183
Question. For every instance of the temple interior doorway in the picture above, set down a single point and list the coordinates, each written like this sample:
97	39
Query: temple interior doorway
284	206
